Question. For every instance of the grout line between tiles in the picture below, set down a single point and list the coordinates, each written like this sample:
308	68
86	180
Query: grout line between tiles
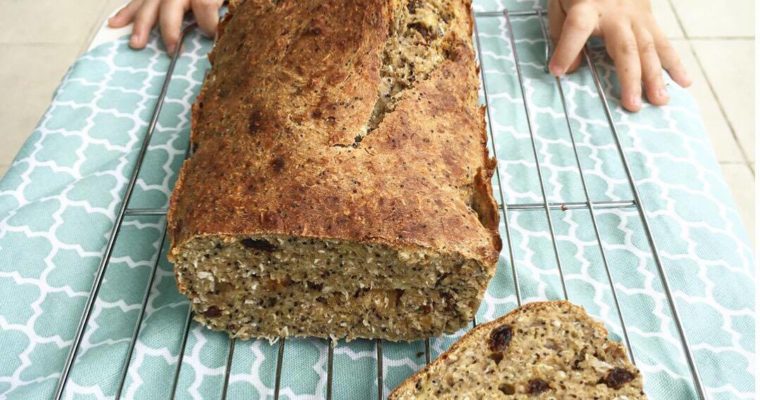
37	44
721	37
42	43
733	163
678	19
714	93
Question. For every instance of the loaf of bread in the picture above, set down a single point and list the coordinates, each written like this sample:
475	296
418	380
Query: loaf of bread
548	350
339	184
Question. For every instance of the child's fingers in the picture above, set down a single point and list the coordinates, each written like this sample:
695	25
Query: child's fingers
556	18
207	14
580	23
124	16
624	50
144	21
170	20
651	69
670	59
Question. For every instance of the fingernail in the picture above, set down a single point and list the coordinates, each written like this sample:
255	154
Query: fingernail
662	93
556	70
636	101
133	39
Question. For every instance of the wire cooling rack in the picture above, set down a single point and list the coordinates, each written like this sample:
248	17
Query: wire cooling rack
544	207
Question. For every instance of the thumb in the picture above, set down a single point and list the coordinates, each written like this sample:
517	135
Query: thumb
207	15
556	20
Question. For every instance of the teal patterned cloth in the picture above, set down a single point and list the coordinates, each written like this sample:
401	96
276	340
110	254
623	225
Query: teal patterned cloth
60	197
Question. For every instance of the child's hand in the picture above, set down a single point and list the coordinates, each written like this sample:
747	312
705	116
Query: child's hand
634	41
168	14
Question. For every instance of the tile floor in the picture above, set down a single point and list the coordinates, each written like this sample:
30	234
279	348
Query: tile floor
716	44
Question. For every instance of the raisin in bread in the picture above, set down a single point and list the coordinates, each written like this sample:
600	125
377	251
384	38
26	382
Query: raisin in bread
548	350
340	181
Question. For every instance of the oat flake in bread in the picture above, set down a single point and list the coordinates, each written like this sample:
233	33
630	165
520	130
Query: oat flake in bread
546	350
340	181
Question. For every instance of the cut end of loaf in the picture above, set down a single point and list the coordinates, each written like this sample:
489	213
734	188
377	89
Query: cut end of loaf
548	350
270	286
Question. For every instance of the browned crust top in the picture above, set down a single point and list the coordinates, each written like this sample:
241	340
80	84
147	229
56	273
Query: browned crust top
290	87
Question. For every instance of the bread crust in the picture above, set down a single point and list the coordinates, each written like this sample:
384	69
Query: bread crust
469	337
273	131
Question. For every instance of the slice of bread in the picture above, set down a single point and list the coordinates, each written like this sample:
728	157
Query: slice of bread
546	350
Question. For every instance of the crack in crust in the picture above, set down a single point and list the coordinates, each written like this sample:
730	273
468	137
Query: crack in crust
292	82
417	44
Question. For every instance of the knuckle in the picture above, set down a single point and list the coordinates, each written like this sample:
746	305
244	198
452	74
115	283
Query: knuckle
206	3
579	22
142	15
647	46
667	51
668	55
170	35
653	76
627	47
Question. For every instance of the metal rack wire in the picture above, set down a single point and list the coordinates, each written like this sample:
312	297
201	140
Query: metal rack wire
545	206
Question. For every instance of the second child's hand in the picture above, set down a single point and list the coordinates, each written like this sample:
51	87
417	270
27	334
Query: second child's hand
633	39
168	14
